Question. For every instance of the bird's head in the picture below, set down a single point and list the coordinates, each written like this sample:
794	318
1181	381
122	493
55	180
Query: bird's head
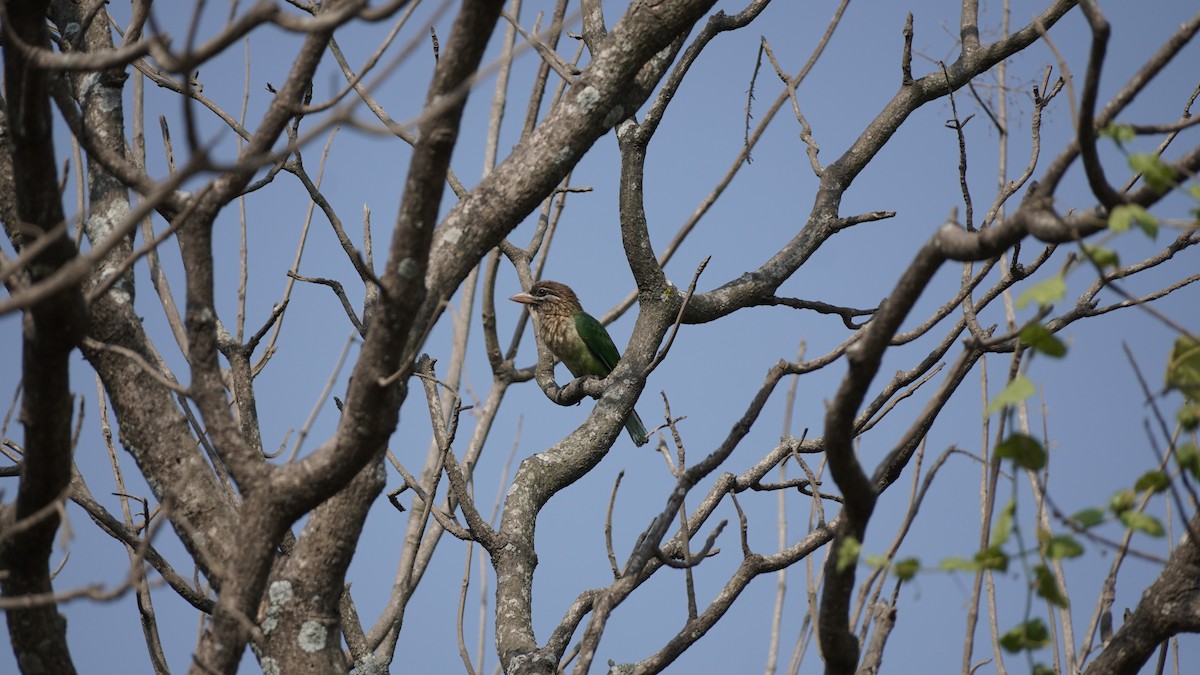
550	298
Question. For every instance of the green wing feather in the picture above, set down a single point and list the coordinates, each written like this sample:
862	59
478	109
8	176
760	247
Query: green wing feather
597	341
604	358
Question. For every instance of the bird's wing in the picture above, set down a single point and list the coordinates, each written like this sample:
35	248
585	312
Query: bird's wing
597	340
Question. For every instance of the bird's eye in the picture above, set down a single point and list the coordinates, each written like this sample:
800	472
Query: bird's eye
540	292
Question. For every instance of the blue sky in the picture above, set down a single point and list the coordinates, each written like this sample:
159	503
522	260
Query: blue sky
1094	411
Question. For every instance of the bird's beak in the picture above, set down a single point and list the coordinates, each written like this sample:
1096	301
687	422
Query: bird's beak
523	298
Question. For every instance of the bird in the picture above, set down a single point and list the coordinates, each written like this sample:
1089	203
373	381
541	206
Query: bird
576	338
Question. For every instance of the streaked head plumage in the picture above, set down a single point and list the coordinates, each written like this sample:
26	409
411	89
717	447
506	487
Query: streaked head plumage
549	297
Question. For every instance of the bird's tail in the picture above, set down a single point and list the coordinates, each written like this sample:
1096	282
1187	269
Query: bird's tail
637	430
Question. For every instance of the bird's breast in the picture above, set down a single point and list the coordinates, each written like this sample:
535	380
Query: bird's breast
560	337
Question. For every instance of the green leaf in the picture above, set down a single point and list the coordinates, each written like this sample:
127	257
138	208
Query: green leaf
1122	501
1143	522
1026	636
1043	669
1121	133
1002	530
1025	452
957	564
877	561
1194	191
1047	586
1018	390
1041	339
1103	257
1120	220
1158	174
907	568
1061	546
992	558
1127	215
1188	458
1189	416
1183	368
1044	293
1152	481
848	553
1183	375
1089	517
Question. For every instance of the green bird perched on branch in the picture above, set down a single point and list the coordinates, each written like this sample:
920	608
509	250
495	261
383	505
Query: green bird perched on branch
576	338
